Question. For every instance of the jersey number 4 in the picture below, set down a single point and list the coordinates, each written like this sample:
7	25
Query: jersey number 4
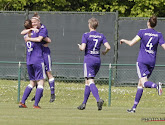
149	44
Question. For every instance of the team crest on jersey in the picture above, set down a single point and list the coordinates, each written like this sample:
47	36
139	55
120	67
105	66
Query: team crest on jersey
42	26
144	74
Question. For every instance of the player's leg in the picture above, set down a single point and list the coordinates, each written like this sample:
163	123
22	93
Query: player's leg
48	68
141	70
39	76
51	85
137	97
95	93
26	94
39	93
149	84
29	88
86	92
34	95
86	96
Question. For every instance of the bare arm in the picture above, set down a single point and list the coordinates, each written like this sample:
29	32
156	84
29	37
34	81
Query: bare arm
82	46
36	39
163	45
25	31
47	39
130	42
107	48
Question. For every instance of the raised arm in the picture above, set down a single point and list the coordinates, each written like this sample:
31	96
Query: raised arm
25	31
107	48
130	42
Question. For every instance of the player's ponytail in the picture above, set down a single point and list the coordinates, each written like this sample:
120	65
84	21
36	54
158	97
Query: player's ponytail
153	21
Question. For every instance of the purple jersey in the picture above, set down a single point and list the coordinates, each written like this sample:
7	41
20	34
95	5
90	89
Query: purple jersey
93	41
46	51
92	62
148	46
34	51
43	31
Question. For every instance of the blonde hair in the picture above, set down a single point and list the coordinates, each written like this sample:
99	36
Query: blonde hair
93	22
36	16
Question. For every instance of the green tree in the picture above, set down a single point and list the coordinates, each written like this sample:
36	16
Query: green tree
126	8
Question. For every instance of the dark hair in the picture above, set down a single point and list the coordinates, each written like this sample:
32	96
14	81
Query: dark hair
28	24
153	21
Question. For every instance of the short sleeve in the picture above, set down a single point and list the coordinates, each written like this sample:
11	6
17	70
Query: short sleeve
140	34
84	40
43	31
161	39
104	39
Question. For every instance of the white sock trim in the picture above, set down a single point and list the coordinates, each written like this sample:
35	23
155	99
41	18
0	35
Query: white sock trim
91	83
52	79
140	87
40	86
30	86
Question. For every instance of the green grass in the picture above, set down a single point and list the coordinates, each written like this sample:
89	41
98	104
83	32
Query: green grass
68	96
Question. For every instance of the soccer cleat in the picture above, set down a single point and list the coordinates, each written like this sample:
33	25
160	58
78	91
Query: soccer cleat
33	98
36	107
21	105
81	107
100	104
52	98
131	110
159	88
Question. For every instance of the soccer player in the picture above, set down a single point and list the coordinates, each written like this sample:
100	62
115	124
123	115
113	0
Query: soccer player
146	60
91	43
46	52
35	67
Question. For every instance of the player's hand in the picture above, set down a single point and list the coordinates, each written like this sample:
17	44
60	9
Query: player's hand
35	30
122	41
79	46
103	52
26	39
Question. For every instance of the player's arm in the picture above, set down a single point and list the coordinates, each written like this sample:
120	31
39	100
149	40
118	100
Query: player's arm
47	39
82	46
130	42
36	39
25	31
163	45
107	48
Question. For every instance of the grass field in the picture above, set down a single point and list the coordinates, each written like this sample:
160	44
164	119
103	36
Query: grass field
69	95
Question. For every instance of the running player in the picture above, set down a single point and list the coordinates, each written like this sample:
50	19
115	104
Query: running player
91	43
146	60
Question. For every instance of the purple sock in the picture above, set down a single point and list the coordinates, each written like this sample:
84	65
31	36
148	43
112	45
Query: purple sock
94	91
38	95
150	84
138	97
26	93
86	93
51	84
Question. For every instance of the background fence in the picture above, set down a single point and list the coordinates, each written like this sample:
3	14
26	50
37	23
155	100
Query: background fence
66	29
73	73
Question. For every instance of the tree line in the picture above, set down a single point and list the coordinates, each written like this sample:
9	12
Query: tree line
125	8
